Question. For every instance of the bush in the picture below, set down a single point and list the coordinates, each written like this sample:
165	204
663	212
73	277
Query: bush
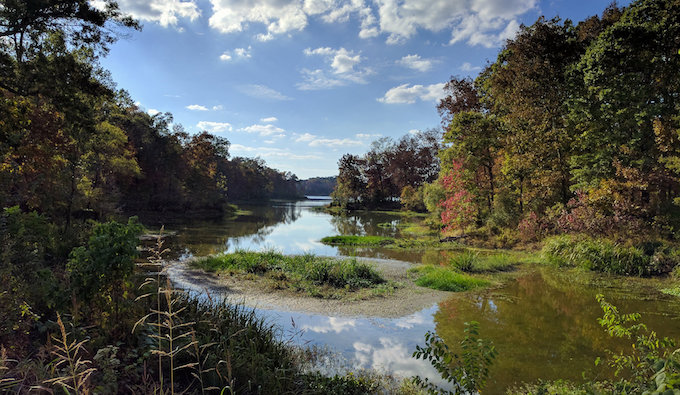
606	256
444	279
103	266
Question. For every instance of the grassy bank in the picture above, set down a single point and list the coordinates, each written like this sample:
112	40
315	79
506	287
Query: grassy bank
317	276
371	241
602	255
455	273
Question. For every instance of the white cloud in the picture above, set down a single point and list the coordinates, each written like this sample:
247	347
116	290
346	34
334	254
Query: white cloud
476	22
304	138
197	107
279	16
217	107
368	135
263	92
341	72
264	130
269	119
316	141
214	127
409	94
415	62
268	152
238	53
152	111
164	12
468	67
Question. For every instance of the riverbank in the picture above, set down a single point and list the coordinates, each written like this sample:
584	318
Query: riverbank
252	291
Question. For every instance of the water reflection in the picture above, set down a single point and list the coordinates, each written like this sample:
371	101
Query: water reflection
544	324
385	345
292	227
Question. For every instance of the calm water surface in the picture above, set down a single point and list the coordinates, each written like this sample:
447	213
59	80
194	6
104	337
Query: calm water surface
544	324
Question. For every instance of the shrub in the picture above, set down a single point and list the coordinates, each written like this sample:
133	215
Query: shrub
445	279
603	255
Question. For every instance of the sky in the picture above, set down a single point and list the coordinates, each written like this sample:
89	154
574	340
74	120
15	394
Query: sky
299	83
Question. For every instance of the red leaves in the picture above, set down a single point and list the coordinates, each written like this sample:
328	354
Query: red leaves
459	210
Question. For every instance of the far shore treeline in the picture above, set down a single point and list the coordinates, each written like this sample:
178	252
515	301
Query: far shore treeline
74	145
575	127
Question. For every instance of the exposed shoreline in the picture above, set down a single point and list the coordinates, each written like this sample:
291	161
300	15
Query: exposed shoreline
407	299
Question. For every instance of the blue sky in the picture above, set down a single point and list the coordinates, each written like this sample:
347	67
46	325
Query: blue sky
301	82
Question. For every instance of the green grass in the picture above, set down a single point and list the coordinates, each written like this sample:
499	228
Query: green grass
473	262
358	240
674	291
445	279
602	255
318	276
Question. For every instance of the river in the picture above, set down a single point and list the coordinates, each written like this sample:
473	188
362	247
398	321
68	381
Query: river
543	323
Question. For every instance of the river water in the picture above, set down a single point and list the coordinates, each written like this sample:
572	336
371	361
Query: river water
543	323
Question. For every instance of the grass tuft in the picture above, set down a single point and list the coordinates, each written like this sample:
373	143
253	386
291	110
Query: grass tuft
318	276
445	279
358	240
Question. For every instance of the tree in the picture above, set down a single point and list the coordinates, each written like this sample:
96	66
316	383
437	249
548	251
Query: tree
526	88
627	116
103	266
459	210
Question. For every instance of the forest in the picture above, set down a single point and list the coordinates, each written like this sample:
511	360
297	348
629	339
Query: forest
574	128
564	150
76	146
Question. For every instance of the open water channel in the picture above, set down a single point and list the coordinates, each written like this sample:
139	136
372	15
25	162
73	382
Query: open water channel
543	323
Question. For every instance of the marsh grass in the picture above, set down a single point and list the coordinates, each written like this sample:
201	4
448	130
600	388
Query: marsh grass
71	370
317	276
446	279
602	255
358	240
474	262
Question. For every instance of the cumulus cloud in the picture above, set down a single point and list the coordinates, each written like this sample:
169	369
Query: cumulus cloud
164	12
214	127
197	107
217	107
238	53
269	119
368	135
263	92
468	67
269	152
279	16
415	62
316	141
264	130
341	69
152	111
410	94
476	22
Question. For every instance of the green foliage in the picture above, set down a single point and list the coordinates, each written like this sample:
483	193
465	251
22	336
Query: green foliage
472	262
652	365
605	256
467	372
27	285
107	261
445	279
412	198
301	272
358	240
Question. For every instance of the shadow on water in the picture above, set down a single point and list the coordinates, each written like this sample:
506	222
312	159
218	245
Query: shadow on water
543	324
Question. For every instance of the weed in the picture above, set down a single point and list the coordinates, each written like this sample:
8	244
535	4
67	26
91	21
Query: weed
444	279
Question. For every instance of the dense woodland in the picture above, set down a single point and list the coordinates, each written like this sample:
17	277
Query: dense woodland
574	128
71	144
